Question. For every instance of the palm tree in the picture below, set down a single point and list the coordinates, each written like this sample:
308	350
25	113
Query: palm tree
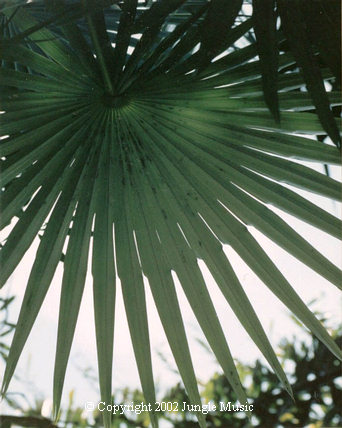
150	133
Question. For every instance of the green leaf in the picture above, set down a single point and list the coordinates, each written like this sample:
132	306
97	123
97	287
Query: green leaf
41	64
158	271
265	20
19	190
166	44
45	264
184	262
156	14
75	269
292	22
200	238
141	136
124	36
323	23
103	271
216	26
230	231
130	273
101	42
52	47
199	58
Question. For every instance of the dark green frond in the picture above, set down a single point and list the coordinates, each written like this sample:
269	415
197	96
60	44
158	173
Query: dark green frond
143	136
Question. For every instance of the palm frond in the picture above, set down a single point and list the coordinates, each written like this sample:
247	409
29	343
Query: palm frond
153	152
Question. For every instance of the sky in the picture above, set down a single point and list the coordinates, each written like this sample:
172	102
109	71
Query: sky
35	369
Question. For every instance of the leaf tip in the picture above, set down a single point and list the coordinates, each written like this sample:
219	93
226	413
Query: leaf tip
4	387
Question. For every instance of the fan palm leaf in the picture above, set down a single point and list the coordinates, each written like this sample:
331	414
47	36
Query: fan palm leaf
149	155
